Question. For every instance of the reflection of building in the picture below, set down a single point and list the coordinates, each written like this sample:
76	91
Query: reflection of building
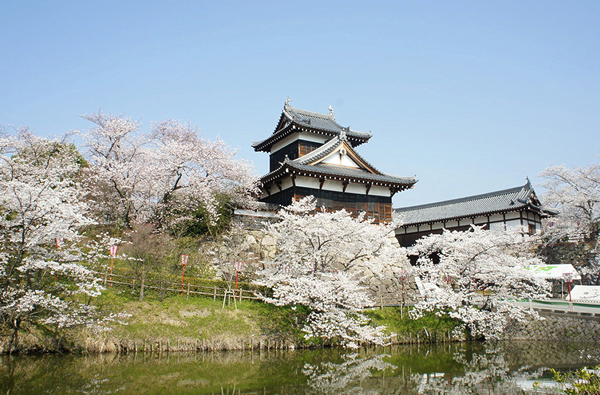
510	207
311	154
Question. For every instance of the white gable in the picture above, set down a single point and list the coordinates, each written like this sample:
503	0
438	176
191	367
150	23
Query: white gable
340	158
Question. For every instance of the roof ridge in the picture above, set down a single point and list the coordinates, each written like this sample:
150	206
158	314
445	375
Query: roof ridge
463	199
289	109
329	147
328	116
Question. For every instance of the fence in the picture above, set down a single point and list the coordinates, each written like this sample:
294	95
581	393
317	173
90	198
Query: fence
228	294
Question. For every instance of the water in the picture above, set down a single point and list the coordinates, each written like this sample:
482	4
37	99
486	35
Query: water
469	368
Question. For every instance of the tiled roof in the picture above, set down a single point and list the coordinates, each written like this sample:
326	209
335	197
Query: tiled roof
303	165
358	174
294	119
316	120
321	152
506	200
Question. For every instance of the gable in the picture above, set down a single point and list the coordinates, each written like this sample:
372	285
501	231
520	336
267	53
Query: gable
340	158
337	152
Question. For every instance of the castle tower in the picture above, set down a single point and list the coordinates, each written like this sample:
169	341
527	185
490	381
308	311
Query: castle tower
311	154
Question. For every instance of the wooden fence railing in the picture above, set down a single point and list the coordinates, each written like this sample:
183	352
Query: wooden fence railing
228	294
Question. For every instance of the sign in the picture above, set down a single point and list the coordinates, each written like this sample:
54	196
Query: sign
184	259
554	272
586	294
239	266
113	250
59	241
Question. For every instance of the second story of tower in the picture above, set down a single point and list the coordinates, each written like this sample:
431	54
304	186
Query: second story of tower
300	132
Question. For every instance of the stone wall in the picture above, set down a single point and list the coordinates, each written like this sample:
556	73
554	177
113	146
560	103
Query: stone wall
557	327
581	255
386	288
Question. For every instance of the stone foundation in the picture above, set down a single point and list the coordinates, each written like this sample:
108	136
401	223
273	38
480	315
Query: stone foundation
557	327
387	288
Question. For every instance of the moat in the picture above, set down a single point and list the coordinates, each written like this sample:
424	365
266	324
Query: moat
486	368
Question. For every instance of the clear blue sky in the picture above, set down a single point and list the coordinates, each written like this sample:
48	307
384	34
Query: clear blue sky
469	96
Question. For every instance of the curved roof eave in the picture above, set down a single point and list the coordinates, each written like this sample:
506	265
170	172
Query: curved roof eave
339	174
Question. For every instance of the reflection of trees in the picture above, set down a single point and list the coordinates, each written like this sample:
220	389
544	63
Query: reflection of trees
472	368
484	372
505	368
345	377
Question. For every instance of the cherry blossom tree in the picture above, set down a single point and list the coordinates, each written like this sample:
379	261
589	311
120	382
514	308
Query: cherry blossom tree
163	176
115	179
149	251
322	258
191	171
476	276
42	279
575	193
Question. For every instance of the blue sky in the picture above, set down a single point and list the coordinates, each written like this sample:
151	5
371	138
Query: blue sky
469	96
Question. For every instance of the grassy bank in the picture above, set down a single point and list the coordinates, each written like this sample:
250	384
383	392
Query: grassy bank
202	323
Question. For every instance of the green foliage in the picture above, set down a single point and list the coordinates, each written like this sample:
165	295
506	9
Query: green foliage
583	381
199	223
283	321
40	152
397	320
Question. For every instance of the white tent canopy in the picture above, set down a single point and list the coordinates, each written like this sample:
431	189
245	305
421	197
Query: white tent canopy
585	294
554	272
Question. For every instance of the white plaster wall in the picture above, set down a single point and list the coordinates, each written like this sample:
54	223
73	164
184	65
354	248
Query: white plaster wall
379	191
438	225
451	224
466	221
315	138
286	183
512	215
308	182
333	185
496	218
356	188
480	220
340	160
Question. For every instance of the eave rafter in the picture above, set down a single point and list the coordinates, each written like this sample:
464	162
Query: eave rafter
293	173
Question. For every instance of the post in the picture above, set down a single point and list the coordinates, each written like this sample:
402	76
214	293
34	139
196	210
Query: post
184	261
569	279
113	253
238	267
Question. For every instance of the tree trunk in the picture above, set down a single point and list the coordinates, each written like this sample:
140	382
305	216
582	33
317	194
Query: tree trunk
14	338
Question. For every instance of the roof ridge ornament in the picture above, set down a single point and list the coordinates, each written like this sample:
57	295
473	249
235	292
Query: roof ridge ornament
331	113
288	101
343	133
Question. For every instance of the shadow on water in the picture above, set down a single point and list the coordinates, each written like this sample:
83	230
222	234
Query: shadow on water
500	368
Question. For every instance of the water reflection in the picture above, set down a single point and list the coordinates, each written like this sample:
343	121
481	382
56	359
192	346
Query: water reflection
473	368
